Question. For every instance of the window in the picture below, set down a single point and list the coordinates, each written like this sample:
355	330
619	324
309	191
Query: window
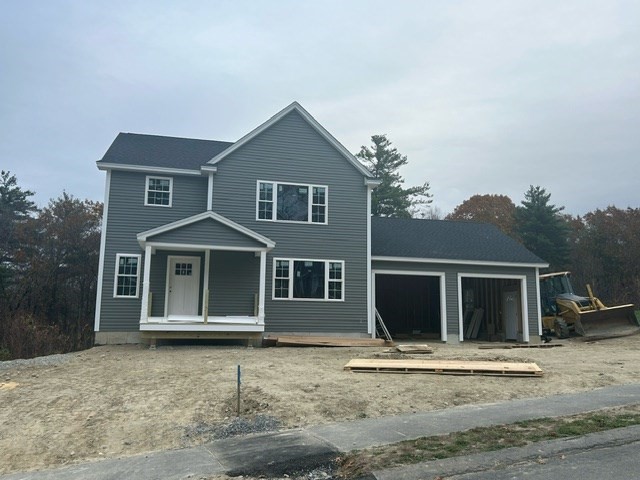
308	279
289	202
158	191
127	276
184	269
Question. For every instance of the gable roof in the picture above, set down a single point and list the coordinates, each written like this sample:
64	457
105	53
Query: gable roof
208	215
295	106
447	240
158	151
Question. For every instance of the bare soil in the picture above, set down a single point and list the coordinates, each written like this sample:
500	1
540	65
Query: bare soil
117	401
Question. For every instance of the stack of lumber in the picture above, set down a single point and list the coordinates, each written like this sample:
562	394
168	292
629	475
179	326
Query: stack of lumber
313	341
504	346
444	367
413	348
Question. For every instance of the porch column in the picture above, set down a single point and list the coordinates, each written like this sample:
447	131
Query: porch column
144	310
205	286
263	282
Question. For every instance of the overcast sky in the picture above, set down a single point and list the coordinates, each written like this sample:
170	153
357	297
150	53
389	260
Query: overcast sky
482	96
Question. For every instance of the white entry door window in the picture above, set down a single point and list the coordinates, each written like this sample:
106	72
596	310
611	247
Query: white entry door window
183	282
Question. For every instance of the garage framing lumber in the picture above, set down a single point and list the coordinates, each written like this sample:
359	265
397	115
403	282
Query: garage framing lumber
444	367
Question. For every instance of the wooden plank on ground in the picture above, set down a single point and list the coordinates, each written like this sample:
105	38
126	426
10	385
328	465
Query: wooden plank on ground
508	346
414	348
444	367
313	341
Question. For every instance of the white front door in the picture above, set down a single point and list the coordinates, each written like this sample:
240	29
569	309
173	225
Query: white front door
183	282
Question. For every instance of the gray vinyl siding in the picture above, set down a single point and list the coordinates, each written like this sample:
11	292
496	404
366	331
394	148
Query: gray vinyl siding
292	151
234	280
207	232
127	216
451	281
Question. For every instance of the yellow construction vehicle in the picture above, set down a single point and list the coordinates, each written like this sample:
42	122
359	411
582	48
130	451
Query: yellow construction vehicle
563	311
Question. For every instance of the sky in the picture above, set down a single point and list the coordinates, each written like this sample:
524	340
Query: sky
483	97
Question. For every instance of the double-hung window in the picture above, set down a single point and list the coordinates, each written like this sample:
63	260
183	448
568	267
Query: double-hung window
308	279
127	278
158	191
291	202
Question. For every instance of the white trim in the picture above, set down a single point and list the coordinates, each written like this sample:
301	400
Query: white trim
146	191
442	286
262	287
372	182
208	169
538	306
148	169
103	244
312	121
457	262
200	327
274	202
142	236
115	276
524	304
205	281
210	192
326	280
198	247
370	305
144	310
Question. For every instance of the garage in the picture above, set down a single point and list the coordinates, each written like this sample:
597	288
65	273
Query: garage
410	303
453	280
492	308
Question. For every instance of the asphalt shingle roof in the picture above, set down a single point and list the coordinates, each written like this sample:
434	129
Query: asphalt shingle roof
446	240
159	151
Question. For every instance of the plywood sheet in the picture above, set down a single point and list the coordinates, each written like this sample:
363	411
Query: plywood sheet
446	367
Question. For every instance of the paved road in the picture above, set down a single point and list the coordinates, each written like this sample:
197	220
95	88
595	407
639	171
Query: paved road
620	462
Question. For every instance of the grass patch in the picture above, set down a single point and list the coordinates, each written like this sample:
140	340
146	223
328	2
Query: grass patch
485	439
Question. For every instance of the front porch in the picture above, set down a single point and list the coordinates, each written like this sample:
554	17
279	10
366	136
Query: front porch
210	287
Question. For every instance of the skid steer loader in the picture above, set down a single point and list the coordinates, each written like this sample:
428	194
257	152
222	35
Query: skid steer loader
563	311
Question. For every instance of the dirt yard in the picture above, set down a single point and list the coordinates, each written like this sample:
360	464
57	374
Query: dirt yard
122	400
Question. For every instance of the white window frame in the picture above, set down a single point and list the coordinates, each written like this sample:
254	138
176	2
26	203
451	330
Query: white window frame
326	280
310	204
146	191
117	274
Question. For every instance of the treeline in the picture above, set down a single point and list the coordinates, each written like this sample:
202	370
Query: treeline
601	248
48	272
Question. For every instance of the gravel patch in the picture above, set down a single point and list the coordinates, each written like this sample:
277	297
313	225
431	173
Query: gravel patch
238	426
49	360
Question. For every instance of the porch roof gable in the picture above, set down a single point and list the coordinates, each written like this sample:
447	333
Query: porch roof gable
240	234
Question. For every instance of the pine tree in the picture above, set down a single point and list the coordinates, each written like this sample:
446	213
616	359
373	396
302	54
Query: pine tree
542	228
390	199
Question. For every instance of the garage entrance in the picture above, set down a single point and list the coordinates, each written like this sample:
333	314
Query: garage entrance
410	304
492	309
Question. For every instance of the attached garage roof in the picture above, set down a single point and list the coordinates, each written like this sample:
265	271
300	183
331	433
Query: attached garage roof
446	240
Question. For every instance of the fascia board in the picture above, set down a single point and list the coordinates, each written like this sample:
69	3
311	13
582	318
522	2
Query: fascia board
147	169
458	262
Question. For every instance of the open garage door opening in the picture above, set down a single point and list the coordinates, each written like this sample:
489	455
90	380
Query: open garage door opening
492	309
409	305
